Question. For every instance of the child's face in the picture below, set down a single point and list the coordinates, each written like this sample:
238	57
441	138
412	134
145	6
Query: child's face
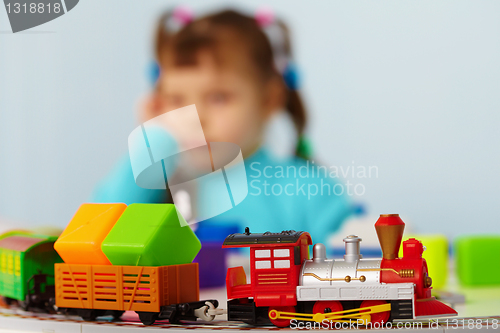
232	105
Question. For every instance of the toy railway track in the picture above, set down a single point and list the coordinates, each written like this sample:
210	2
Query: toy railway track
10	319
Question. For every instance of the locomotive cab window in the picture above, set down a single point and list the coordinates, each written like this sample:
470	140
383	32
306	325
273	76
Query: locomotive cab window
275	258
281	253
263	253
262	264
297	255
282	264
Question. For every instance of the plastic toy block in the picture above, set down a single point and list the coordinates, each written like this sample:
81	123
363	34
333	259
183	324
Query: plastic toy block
151	235
477	260
436	256
212	258
80	242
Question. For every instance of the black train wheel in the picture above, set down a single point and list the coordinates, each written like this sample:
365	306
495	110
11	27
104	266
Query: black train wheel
174	318
117	314
148	318
87	314
25	305
7	300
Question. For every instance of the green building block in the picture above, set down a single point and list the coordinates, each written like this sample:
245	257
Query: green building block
477	260
150	235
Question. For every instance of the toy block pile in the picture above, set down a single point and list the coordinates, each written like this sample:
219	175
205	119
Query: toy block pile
134	235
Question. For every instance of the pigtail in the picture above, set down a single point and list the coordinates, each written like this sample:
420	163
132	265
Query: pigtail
161	36
296	110
294	105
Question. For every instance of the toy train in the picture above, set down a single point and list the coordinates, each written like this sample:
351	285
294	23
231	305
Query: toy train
285	283
114	262
27	270
164	292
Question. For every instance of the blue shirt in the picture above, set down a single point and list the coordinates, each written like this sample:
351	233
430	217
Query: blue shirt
283	194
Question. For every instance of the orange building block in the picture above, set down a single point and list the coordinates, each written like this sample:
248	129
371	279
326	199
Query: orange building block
80	242
125	288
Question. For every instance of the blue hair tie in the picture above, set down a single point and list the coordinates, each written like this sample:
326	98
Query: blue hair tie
291	76
153	72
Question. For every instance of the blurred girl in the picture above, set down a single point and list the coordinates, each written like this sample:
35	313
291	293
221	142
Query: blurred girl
237	70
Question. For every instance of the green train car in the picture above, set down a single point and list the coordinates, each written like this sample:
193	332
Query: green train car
27	270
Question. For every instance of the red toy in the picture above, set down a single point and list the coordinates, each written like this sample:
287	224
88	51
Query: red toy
286	285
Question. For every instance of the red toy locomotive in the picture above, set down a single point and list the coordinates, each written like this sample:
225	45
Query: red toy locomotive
286	284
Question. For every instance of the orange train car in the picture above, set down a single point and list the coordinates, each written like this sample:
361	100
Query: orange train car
163	292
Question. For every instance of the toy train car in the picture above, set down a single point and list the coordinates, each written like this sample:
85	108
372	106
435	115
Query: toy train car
27	270
286	284
164	292
115	262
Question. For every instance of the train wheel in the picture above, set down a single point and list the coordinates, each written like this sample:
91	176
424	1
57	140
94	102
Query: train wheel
327	306
381	317
25	305
273	314
117	315
87	314
148	318
8	301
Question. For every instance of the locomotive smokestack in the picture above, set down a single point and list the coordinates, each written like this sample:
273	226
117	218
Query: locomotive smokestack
390	229
352	248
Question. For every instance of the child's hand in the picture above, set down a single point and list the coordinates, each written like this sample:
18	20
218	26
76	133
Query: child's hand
185	127
183	124
149	107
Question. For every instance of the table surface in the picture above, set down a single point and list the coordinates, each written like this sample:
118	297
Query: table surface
481	302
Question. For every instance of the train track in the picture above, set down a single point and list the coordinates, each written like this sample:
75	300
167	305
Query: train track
12	320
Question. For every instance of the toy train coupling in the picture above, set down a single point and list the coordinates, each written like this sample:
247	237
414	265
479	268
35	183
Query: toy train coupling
208	312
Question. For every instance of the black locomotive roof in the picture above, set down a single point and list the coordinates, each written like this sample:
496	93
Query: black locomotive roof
247	238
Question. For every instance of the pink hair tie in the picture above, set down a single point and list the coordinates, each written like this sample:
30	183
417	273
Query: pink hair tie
264	17
183	14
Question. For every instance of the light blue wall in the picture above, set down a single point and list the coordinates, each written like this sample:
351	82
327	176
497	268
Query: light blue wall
411	87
